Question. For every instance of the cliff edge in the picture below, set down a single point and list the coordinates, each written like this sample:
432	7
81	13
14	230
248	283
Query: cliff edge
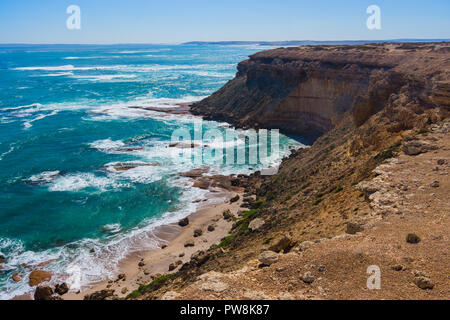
307	90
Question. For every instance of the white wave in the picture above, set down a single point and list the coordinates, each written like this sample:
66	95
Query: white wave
81	181
78	258
11	149
34	105
46	176
105	77
143	51
28	124
107	145
60	74
69	67
112	228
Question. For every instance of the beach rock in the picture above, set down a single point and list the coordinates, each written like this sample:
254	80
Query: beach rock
16	277
227	215
43	293
39	276
170	295
62	288
235	199
172	266
163	246
121	276
413	238
92	251
181	255
99	295
268	258
441	162
183	222
423	283
211	228
124	290
141	264
197	233
202	183
189	243
2	259
146	272
256	224
308	278
284	244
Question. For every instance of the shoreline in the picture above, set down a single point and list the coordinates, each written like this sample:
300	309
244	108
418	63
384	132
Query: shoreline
143	266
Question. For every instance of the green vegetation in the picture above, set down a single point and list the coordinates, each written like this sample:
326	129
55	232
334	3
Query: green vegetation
248	214
258	204
154	285
388	153
339	189
225	242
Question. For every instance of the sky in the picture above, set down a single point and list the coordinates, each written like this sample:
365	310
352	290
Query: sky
176	21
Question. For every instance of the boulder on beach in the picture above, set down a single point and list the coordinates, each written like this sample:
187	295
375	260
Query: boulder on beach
39	276
183	222
189	243
100	295
16	277
43	293
227	215
198	233
61	288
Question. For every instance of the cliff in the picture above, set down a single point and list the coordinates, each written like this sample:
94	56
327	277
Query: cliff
372	190
307	90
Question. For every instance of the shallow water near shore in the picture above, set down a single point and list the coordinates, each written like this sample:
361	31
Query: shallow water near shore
84	178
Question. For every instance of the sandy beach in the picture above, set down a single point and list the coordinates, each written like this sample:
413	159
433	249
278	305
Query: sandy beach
141	267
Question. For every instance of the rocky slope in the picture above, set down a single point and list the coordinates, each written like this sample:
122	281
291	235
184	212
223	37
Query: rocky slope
376	172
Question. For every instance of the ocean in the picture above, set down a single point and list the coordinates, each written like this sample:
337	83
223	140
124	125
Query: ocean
70	117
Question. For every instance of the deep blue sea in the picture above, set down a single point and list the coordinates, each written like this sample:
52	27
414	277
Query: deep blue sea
66	123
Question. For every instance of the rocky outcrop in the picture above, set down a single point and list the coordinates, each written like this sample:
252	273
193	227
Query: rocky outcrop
39	276
307	90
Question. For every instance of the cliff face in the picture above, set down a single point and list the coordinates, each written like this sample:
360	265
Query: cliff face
366	106
307	90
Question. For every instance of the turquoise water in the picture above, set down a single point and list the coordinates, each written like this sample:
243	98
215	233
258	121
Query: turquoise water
65	123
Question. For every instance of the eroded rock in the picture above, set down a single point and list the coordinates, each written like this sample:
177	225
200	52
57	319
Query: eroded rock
39	276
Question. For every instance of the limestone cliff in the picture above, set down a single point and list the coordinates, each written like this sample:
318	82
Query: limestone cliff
307	90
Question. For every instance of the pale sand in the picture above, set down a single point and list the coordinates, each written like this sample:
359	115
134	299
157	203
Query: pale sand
157	261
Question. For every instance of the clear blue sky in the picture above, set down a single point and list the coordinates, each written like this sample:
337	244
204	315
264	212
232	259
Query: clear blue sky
173	21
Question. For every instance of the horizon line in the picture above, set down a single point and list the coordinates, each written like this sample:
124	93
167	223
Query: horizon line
229	41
